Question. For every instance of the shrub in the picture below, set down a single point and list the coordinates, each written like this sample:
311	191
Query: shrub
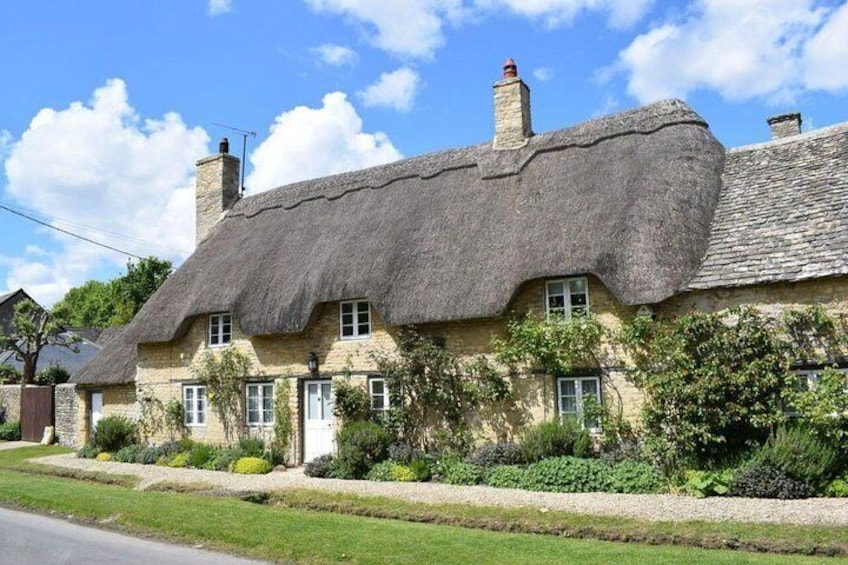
632	477
127	454
702	484
494	454
801	455
764	481
115	432
382	471
224	458
10	431
104	456
404	453
179	460
88	451
351	402
403	474
361	445
568	474
625	449
456	472
149	455
838	488
505	476
199	455
421	469
321	467
52	375
557	438
252	466
9	374
252	446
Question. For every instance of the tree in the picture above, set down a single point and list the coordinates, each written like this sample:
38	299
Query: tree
99	304
31	329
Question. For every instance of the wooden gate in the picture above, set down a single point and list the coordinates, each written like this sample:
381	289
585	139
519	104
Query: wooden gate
36	411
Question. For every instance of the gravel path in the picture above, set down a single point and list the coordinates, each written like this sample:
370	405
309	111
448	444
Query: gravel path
654	507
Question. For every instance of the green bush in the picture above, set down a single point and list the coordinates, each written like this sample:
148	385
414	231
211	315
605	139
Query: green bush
505	476
403	474
456	472
632	477
252	466
494	454
104	456
10	431
568	474
88	451
382	471
361	445
9	375
149	455
765	481
321	467
199	455
224	458
252	446
403	453
702	484
351	402
52	375
557	438
127	454
421	469
179	460
838	487
115	432
800	454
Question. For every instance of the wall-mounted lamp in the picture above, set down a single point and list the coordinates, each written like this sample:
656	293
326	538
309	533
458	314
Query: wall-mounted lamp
312	362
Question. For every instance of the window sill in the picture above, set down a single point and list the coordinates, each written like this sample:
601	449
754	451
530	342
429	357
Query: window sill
355	338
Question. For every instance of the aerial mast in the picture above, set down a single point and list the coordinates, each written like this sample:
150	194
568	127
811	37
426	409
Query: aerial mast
244	133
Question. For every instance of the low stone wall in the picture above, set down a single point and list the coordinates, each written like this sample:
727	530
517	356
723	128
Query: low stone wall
67	414
10	400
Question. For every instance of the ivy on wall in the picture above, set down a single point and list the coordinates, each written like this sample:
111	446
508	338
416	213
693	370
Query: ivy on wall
224	374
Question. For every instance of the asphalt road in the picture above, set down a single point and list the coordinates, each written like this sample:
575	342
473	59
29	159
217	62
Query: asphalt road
31	539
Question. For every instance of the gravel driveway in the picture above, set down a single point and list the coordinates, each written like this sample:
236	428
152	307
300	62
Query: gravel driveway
655	507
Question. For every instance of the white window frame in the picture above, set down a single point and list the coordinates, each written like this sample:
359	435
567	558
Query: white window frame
355	325
260	397
216	335
191	409
387	401
567	307
578	390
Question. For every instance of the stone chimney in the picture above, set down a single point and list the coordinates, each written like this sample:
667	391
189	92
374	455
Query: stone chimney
217	188
512	110
785	125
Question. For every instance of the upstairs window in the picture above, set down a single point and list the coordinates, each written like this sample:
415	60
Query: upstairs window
220	330
260	404
567	297
379	393
575	394
355	319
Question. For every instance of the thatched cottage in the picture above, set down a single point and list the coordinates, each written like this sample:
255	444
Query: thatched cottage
639	211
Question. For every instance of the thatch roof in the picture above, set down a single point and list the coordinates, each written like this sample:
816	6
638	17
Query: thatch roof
452	235
783	212
115	364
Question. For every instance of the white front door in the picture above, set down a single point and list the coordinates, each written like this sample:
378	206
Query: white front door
318	419
96	410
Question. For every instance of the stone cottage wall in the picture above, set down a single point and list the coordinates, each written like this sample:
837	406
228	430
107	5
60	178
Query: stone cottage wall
10	400
67	415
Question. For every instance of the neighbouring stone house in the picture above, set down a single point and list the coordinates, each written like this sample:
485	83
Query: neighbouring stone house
642	211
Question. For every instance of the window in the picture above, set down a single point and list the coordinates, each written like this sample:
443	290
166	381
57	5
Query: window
355	319
574	393
565	297
260	404
808	379
194	405
220	330
379	393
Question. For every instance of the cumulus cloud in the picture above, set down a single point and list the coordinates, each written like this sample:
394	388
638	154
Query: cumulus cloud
105	167
543	74
622	13
758	48
335	55
218	7
396	89
313	142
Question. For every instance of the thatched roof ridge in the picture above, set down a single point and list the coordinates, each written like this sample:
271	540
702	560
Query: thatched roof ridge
115	364
452	235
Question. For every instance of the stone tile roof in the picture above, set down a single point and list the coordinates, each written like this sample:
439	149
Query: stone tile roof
782	214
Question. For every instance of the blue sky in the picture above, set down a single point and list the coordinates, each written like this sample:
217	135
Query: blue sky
107	105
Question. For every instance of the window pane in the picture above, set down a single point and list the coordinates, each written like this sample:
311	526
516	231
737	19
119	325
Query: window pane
327	400
568	404
347	319
555	288
577	286
347	331
378	402
347	308
364	329
590	388
362	318
377	387
313	402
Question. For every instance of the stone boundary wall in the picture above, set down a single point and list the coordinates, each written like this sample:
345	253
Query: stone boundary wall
67	412
10	399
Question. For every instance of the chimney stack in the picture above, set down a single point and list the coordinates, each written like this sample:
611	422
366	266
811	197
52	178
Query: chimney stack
512	110
785	125
217	188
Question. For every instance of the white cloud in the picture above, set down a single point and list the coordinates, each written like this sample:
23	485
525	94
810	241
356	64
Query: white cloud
335	55
543	74
103	166
218	7
5	144
396	89
622	13
757	48
312	142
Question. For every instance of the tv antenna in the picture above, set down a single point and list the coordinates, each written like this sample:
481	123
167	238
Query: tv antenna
244	133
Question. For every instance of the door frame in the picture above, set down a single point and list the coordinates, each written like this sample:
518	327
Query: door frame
304	412
91	422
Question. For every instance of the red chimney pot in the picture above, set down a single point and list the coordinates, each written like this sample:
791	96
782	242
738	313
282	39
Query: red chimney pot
510	69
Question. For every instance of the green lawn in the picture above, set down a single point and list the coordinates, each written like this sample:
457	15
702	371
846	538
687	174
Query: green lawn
278	532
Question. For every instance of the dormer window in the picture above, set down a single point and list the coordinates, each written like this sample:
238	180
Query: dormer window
220	329
355	319
567	297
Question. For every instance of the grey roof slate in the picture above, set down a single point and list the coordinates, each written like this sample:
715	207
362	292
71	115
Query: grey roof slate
50	355
783	213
